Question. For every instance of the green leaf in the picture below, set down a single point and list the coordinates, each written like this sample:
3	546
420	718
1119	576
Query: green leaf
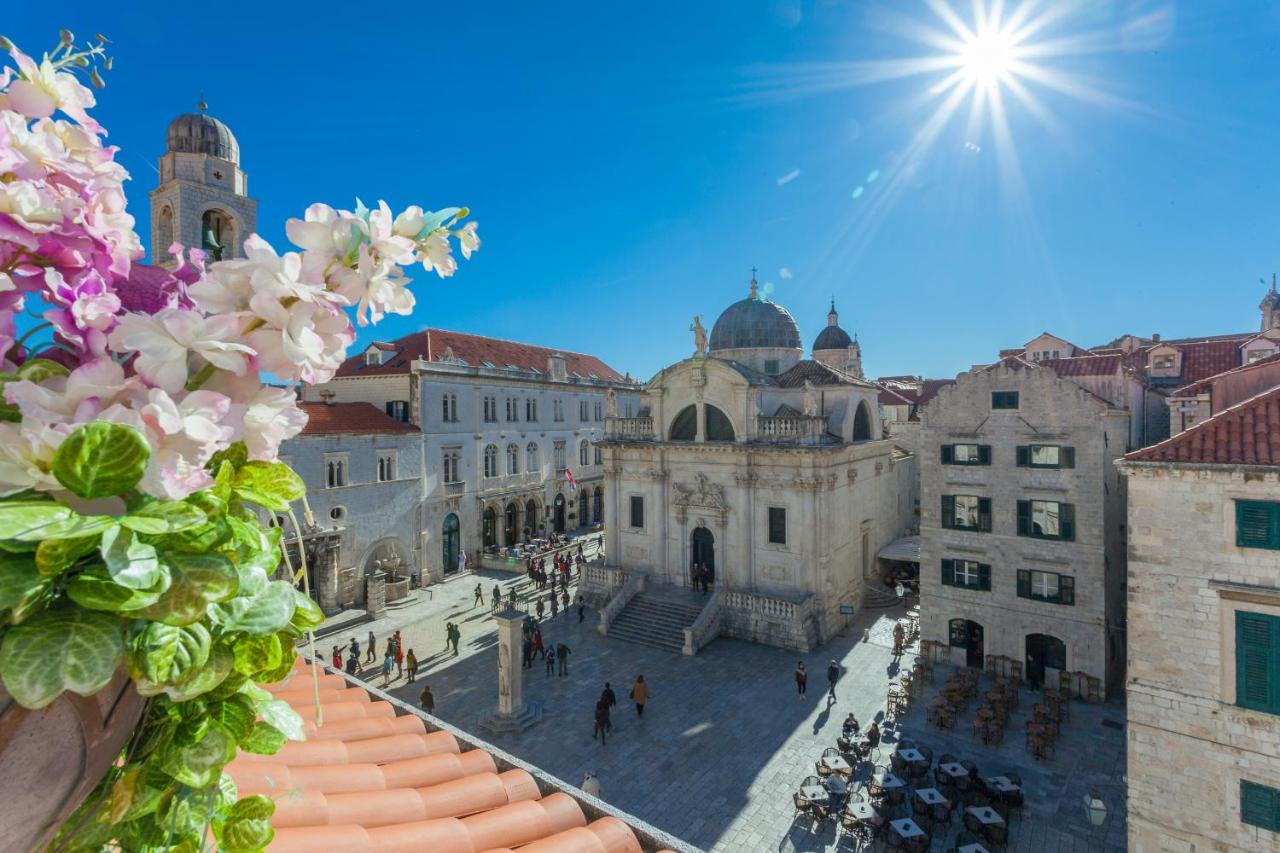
265	739
255	547
20	581
197	580
74	527
165	517
131	562
268	484
254	654
307	615
222	481
53	556
212	677
235	456
167	654
246	836
264	613
201	763
38	370
96	590
236	715
280	715
20	520
101	459
256	807
74	649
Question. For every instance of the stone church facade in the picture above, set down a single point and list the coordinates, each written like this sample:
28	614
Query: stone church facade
768	468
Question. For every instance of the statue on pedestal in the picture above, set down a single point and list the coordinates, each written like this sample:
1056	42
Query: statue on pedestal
810	399
699	336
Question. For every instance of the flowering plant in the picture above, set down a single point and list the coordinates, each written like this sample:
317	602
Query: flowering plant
138	447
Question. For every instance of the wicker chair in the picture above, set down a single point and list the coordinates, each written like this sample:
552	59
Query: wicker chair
823	770
971	767
802	805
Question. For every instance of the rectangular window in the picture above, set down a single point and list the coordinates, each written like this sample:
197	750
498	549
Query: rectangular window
1258	524
778	525
599	411
1163	362
966	512
582	411
490	409
1047	520
1045	456
398	409
637	511
531	410
451	466
1046	586
967	574
1258	661
1004	399
386	466
513	410
335	471
449	408
1260	806
557	407
966	454
557	452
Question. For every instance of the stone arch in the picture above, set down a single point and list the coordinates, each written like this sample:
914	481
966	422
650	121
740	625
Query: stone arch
511	517
489	528
597	506
219	233
862	422
718	425
388	555
164	235
684	426
532	516
584	507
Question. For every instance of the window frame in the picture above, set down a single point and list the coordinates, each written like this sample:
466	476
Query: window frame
451	464
1259	805
981	581
1066	594
513	459
1268	650
1066	520
531	409
983	514
636	512
337	470
1268	539
982	454
1000	401
1025	456
385	464
532	457
490	455
776	519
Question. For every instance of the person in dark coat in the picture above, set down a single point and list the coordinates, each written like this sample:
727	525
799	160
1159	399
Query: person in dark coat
802	679
833	675
601	721
610	700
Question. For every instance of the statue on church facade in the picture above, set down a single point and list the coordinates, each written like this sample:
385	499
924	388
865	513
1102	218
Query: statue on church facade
810	400
699	336
611	403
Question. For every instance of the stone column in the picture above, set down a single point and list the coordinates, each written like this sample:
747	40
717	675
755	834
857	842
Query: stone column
513	714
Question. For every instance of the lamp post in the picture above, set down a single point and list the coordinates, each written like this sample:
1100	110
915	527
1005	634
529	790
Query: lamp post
1095	811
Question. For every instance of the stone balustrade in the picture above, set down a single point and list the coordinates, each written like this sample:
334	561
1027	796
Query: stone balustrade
706	627
632	584
629	429
775	619
790	429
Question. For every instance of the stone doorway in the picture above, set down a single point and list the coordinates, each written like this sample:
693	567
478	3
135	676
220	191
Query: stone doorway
450	542
703	548
558	514
1044	652
968	635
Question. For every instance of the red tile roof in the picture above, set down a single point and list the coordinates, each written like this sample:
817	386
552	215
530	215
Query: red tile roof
1091	365
433	344
369	780
335	418
1247	433
1203	384
816	372
1204	358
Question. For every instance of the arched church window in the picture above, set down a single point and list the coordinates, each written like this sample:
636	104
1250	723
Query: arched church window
217	235
513	459
685	425
583	450
862	423
491	460
164	235
719	427
531	462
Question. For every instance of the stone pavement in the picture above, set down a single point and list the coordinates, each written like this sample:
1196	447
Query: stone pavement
725	739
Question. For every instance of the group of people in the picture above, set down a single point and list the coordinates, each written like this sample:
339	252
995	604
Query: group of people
394	657
702	576
639	694
535	647
802	680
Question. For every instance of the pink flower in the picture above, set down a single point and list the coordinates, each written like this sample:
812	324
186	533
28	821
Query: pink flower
164	342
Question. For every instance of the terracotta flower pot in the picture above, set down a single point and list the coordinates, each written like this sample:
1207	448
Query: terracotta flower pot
52	758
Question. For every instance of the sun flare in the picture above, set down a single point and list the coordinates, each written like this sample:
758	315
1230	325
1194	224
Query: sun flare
988	57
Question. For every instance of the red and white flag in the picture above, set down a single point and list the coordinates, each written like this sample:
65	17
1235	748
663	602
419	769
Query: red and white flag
573	483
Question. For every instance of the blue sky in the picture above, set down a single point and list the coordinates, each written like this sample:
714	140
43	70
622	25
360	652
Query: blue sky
630	163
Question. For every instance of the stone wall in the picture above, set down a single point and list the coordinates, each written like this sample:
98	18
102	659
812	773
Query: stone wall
1189	744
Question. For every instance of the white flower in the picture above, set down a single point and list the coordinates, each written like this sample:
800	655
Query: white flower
301	342
42	89
164	340
468	241
271	416
436	254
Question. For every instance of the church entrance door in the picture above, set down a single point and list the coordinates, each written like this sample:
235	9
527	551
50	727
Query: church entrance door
558	516
703	548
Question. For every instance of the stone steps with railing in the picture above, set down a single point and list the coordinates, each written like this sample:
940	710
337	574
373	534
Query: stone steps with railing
655	620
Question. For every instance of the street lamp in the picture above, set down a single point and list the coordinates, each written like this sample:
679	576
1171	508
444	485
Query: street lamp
1095	809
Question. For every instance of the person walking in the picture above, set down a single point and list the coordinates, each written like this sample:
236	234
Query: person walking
354	648
562	657
479	597
551	661
399	660
455	636
541	607
370	654
411	661
353	663
802	679
555	605
388	663
448	635
496	599
833	675
337	658
610	700
537	644
582	609
427	699
898	636
602	722
640	694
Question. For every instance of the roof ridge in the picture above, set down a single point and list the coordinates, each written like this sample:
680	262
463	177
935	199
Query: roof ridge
1153	453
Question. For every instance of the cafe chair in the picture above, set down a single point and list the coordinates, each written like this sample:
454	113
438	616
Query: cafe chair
972	823
802	805
823	770
998	835
946	758
964	838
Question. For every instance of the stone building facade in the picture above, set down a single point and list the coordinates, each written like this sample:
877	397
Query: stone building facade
203	197
1204	635
503	426
765	467
1022	520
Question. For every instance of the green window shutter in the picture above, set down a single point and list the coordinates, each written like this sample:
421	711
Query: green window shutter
948	454
949	572
984	576
1024	583
1067	521
1066	589
1023	455
984	514
1024	518
948	511
1260	806
1067	457
1257	659
1257	524
984	454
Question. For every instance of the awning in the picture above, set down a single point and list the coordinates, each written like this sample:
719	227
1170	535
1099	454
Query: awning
907	548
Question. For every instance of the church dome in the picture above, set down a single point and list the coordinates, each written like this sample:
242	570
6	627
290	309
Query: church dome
755	323
832	337
199	133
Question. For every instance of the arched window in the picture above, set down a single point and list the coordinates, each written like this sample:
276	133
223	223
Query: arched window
217	235
164	235
491	460
583	450
531	519
862	423
599	459
597	506
719	427
531	463
489	528
685	425
512	527
513	459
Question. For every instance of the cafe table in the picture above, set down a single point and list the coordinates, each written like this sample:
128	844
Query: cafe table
930	797
814	793
836	764
953	769
906	828
986	815
911	756
1003	784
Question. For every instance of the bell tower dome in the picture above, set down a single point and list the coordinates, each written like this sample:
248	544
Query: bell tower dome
202	201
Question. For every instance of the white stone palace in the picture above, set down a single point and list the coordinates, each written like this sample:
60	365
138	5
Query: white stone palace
768	468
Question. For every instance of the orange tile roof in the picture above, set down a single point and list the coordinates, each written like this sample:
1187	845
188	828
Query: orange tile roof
335	418
1247	433
368	780
1204	384
433	344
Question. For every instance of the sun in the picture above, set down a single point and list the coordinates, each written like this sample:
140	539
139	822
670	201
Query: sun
987	58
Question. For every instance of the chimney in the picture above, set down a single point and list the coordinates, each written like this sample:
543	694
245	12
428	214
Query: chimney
555	367
327	396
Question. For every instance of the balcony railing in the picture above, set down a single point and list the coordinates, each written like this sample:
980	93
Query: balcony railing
790	429
629	429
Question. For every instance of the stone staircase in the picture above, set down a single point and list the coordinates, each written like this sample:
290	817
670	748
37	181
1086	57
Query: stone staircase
657	617
880	597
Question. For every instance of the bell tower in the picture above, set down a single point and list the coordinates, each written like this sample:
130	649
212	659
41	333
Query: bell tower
1270	307
202	201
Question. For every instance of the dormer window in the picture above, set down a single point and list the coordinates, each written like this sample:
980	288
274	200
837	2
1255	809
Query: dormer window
1163	362
373	358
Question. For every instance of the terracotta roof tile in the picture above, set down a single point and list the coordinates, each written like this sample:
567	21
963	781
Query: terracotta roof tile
1091	365
1203	384
335	418
369	780
433	344
817	373
1247	433
1204	358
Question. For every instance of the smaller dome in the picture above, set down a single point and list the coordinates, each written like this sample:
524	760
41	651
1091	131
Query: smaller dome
832	337
199	133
